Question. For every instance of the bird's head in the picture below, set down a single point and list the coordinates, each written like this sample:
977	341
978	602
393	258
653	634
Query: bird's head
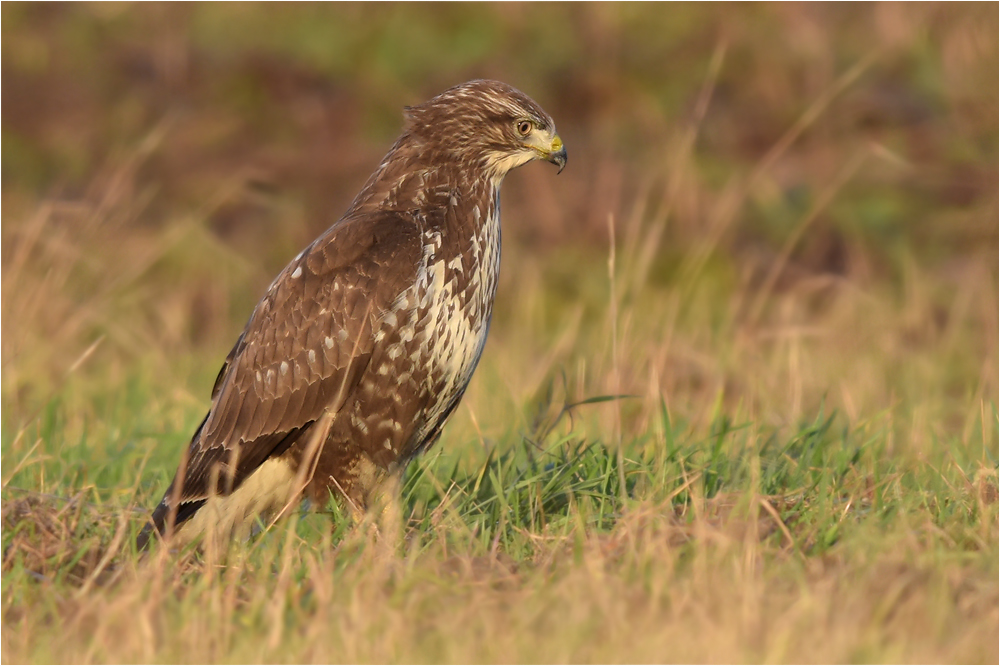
488	123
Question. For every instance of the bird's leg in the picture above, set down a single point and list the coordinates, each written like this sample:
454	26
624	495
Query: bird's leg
384	502
375	501
385	512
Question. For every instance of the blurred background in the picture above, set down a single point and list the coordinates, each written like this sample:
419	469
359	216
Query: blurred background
803	199
777	233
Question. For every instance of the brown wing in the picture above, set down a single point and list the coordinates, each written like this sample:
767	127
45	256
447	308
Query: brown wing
302	352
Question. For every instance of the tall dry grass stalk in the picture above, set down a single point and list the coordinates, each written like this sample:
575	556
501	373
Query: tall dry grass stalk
722	514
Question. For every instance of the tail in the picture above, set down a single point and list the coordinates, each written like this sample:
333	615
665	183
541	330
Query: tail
167	518
158	522
157	525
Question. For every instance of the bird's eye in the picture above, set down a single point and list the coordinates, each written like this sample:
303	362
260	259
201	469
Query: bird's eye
524	127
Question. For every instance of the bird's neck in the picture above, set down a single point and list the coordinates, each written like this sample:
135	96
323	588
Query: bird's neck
414	178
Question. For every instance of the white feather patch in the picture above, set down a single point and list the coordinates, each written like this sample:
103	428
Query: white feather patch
263	493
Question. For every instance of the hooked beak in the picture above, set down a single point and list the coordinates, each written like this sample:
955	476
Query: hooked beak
557	154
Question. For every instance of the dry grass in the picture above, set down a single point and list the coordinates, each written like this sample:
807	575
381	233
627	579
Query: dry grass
804	227
655	588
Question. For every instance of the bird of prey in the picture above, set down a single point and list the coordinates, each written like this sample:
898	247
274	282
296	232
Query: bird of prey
363	345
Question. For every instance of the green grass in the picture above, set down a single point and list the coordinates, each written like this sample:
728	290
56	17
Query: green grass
763	428
830	547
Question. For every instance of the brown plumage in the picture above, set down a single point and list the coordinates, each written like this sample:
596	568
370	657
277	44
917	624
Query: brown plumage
364	344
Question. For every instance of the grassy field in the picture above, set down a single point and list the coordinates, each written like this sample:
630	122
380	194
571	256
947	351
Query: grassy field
739	400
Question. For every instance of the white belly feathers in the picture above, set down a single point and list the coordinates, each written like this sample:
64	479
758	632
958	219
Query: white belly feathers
458	309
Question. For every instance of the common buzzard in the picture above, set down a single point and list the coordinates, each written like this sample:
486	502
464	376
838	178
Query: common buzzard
363	345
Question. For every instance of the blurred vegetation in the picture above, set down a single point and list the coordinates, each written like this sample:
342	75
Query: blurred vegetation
757	150
777	232
304	97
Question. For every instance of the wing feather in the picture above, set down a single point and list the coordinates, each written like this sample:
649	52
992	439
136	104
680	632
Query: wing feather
325	301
